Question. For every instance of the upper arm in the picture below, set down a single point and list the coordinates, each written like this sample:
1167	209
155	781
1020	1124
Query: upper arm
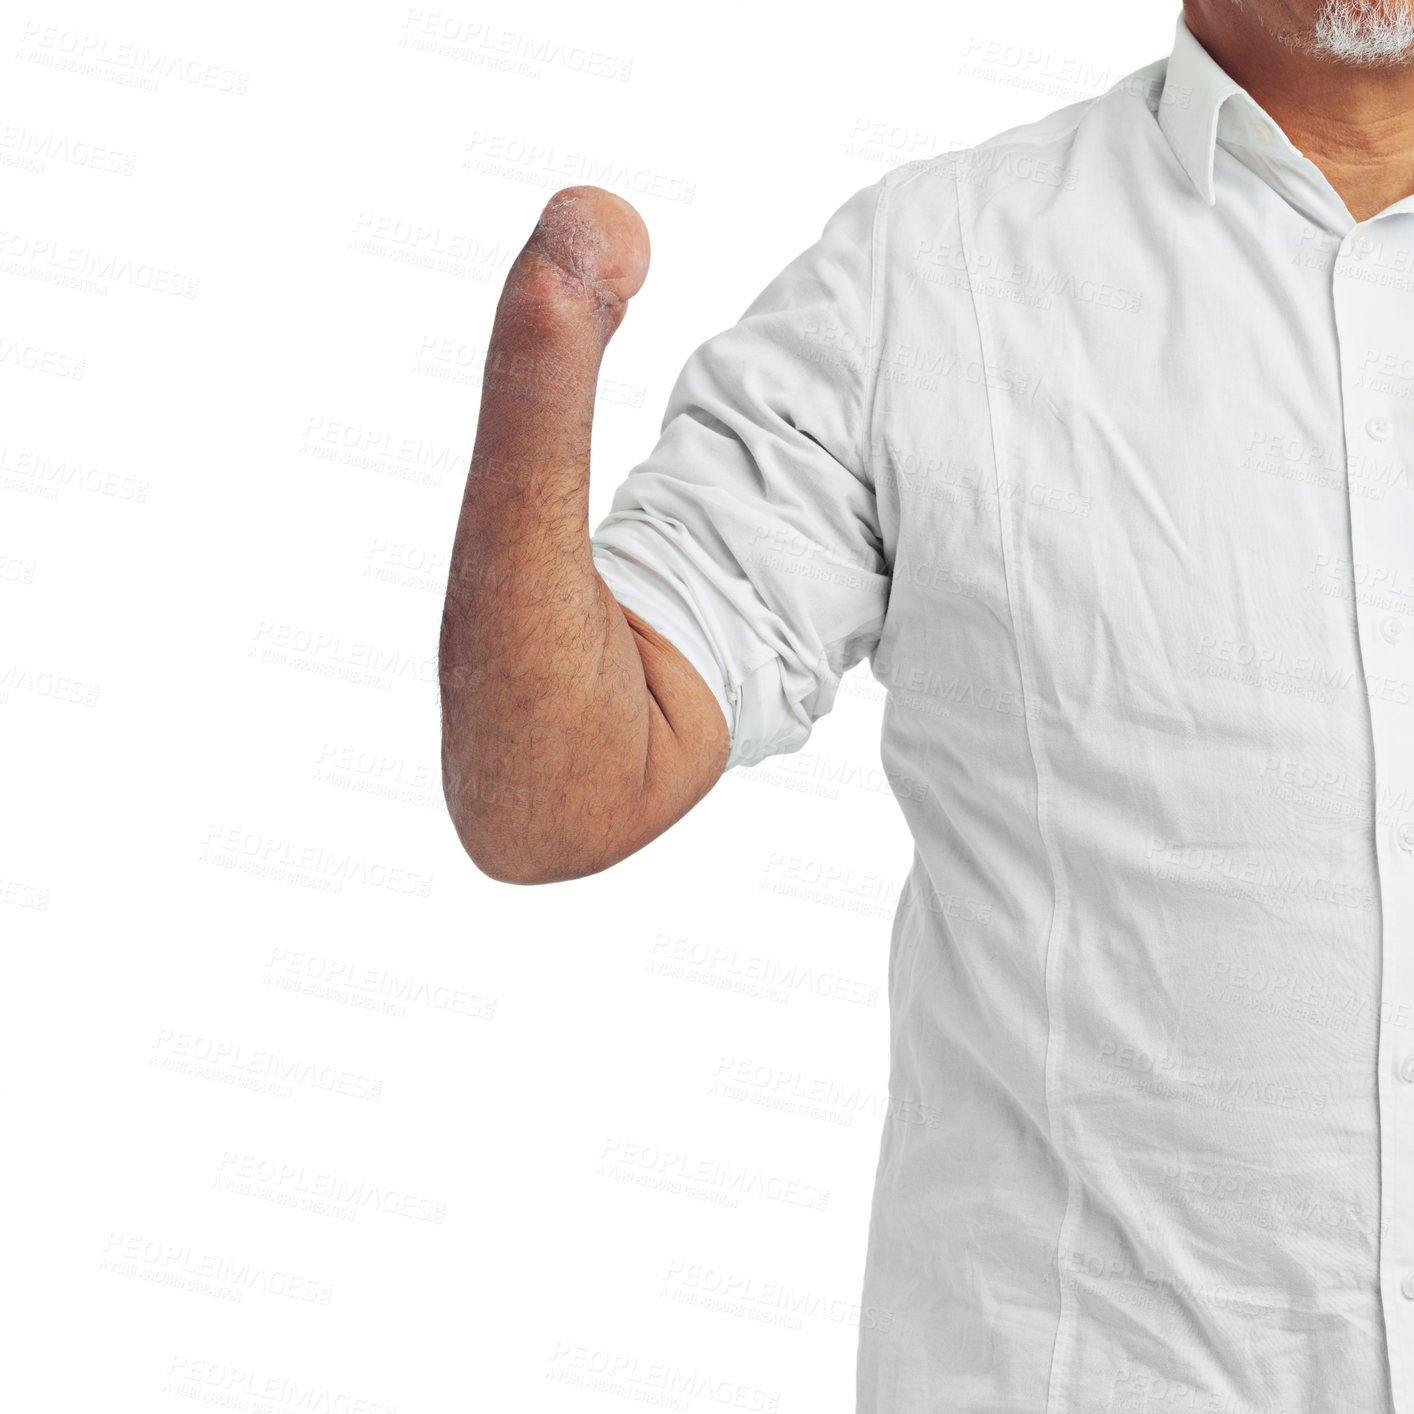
750	536
689	739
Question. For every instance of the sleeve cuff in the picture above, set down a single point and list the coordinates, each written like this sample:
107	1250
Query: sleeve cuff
754	704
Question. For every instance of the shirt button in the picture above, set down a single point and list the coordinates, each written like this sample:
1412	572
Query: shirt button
1406	1069
1407	1285
1378	428
1362	245
1391	628
1405	835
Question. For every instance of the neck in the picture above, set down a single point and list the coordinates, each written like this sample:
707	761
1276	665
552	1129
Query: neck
1354	121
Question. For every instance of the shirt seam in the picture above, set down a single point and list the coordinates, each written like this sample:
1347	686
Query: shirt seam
873	361
1064	1309
873	355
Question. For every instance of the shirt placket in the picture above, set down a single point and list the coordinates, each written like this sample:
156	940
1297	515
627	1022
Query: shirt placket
1374	311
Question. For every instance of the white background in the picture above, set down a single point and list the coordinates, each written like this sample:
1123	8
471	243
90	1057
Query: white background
306	1113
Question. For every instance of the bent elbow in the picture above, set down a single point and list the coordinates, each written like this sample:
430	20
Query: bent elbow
496	857
508	856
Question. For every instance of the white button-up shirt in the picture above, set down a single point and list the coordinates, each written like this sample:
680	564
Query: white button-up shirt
1095	440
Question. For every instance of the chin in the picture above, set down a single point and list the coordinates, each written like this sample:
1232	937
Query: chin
1374	33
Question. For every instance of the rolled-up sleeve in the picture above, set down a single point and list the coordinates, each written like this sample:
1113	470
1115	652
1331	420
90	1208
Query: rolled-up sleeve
749	537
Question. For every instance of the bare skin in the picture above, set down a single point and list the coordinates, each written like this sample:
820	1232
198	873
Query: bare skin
572	733
1353	117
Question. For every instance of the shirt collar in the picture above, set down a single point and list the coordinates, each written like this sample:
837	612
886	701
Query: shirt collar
1195	90
1201	107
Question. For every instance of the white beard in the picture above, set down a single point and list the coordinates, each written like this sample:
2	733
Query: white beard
1372	32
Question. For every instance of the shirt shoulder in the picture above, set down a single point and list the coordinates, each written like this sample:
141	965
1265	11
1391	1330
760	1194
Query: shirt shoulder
1043	150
